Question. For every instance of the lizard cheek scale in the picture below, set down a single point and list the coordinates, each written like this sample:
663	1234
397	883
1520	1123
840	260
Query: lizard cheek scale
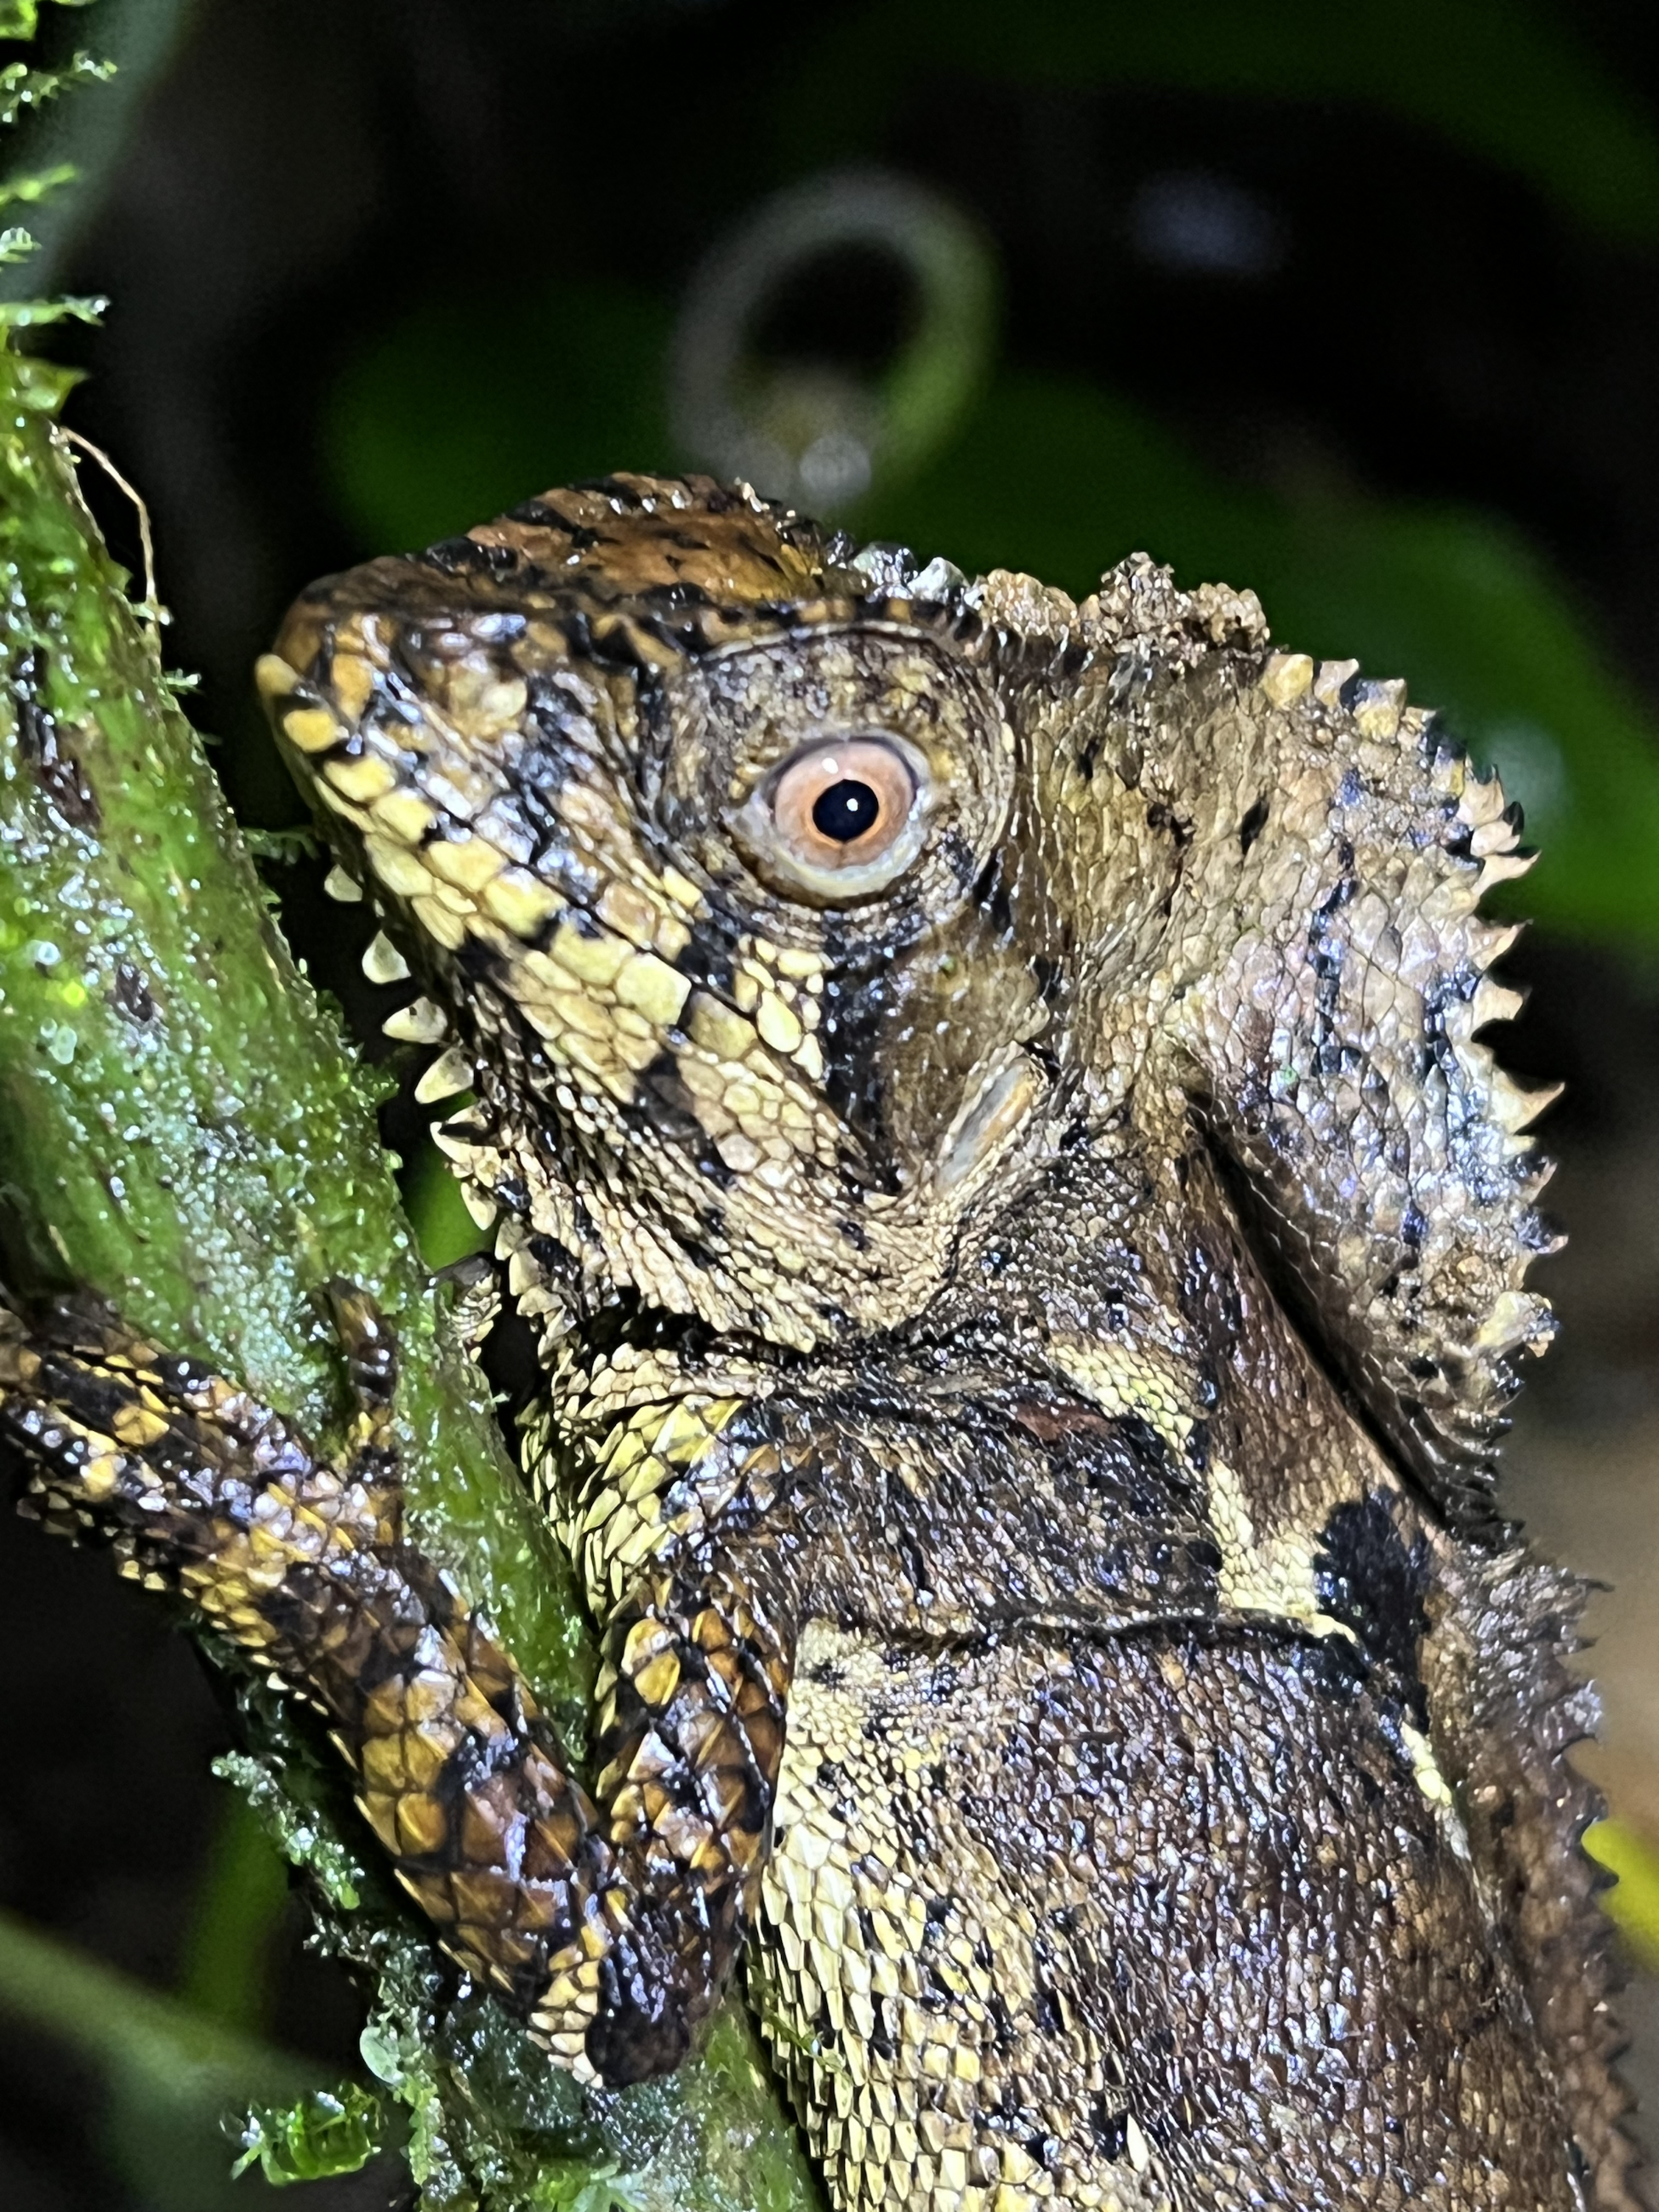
983	1099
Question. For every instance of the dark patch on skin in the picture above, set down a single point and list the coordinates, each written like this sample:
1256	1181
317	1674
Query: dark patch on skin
1331	1665
1435	742
1130	679
391	712
49	761
479	963
1369	1578
1045	1999
642	2030
663	1106
709	955
1327	950
552	710
321	670
1211	1305
1050	977
578	633
404	674
993	893
1168	822
130	994
538	514
1110	2128
959	856
853	1019
1451	986
615	645
464	556
1253	825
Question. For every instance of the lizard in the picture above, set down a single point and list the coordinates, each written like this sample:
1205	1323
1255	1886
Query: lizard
981	1098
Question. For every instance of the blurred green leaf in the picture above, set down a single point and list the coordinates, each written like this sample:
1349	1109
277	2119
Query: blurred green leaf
443	1228
171	2053
815	430
239	1906
171	2076
1516	84
1632	1903
468	406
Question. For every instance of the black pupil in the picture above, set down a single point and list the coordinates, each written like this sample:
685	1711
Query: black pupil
845	811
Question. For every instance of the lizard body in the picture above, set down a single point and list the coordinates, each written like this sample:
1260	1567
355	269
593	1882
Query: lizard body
982	1100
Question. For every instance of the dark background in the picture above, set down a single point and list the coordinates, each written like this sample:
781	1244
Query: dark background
1356	306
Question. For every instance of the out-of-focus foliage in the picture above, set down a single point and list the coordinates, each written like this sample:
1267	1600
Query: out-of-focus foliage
1510	82
816	432
133	37
170	2073
465	406
1632	1903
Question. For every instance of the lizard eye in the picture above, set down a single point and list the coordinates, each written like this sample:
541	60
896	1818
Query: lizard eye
840	819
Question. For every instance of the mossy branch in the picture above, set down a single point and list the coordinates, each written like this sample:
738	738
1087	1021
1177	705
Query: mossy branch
186	1135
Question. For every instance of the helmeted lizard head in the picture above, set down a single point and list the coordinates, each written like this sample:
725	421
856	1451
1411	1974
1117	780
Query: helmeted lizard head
692	824
703	834
790	909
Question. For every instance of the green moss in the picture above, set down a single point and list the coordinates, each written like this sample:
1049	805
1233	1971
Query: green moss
326	2132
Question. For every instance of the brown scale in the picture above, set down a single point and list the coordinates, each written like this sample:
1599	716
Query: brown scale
1029	1281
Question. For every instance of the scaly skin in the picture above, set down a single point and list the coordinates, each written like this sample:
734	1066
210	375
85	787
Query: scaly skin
1026	1327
